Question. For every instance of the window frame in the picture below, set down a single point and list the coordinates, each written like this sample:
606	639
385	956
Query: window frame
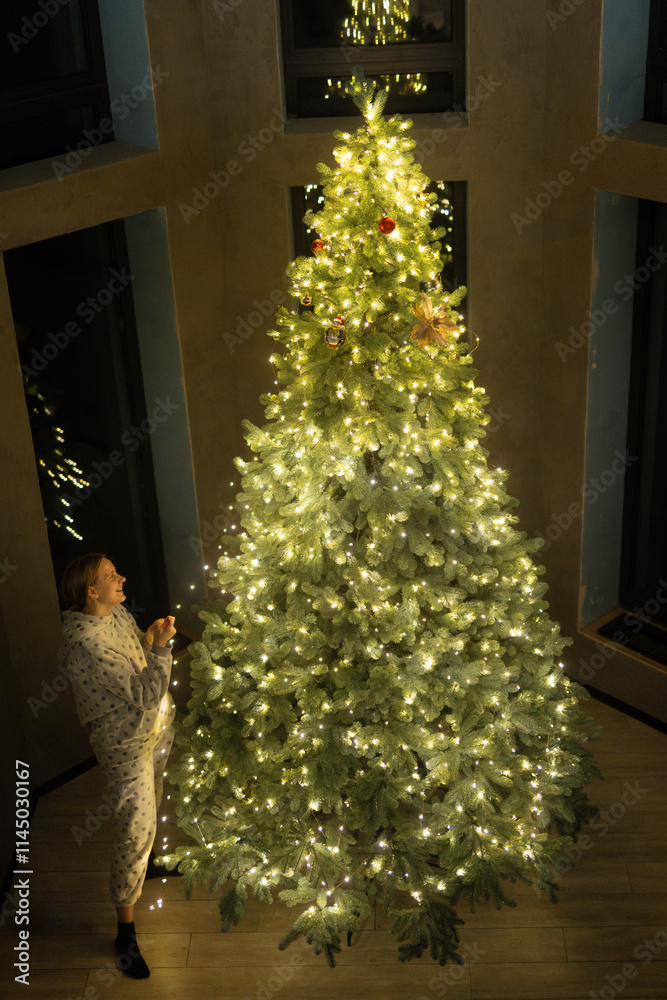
656	62
338	61
88	88
631	593
142	498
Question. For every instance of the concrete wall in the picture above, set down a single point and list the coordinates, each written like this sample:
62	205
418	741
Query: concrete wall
525	151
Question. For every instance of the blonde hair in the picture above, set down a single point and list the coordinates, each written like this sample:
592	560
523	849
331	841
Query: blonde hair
79	575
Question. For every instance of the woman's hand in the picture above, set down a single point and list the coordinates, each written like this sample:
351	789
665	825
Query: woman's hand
160	632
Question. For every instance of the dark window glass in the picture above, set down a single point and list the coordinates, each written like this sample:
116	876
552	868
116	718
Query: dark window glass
71	299
46	135
360	22
41	44
644	551
53	89
413	48
655	100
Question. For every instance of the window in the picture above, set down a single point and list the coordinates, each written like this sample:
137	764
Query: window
53	85
644	550
655	93
625	533
413	48
72	303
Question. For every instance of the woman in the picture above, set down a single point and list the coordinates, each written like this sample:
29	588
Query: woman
120	678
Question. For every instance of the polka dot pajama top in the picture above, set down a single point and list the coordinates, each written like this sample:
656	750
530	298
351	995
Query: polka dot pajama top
120	684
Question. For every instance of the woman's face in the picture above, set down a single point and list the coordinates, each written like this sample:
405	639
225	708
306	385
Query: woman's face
108	586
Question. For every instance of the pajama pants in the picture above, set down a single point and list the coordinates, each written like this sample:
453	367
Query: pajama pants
135	787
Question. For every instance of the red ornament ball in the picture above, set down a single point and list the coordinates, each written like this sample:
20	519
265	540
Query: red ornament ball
317	245
386	225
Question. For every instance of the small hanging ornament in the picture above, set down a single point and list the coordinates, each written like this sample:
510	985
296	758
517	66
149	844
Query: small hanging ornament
434	283
307	300
386	225
317	245
428	201
335	335
434	323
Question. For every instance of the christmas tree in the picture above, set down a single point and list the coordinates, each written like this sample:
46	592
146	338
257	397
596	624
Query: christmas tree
378	710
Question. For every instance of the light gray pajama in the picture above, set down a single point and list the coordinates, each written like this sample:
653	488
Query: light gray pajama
120	687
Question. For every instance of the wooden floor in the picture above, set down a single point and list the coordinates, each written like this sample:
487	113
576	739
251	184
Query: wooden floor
606	937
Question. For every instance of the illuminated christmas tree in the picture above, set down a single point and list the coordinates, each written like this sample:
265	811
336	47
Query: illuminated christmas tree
379	710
